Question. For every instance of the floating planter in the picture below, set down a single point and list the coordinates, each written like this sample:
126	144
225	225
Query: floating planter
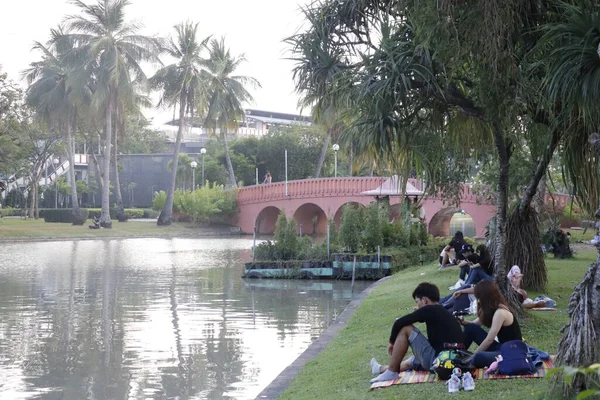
366	267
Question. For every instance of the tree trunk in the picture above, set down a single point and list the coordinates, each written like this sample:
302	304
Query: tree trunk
500	266
78	218
105	220
121	217
579	345
166	215
323	153
232	181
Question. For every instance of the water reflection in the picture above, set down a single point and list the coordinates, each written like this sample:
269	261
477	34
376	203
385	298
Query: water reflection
150	318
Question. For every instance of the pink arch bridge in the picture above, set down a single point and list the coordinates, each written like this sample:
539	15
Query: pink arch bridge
313	202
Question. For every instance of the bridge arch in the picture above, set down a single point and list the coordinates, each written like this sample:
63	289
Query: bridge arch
439	225
266	219
312	218
337	218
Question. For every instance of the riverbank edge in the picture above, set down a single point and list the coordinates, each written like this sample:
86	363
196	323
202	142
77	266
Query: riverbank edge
281	382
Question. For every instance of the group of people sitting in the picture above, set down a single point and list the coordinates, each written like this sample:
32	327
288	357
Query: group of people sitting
443	327
440	315
475	266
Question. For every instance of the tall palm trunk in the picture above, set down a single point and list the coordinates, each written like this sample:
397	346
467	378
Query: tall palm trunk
232	181
166	215
323	153
105	220
78	218
121	217
501	220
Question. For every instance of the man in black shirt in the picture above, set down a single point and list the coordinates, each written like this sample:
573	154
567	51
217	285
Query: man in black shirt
442	328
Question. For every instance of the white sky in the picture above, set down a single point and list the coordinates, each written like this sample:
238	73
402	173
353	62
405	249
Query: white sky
253	27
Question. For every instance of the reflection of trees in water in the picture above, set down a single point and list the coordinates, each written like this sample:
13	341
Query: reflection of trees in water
73	337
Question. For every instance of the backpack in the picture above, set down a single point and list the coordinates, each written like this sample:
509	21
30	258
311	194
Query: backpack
514	359
448	361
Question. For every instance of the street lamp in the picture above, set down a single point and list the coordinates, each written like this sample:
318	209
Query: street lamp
193	164
54	164
335	148
203	152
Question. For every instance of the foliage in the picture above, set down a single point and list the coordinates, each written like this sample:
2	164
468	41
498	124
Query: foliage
141	138
15	198
592	374
352	227
375	216
130	213
411	256
61	215
159	200
10	212
211	203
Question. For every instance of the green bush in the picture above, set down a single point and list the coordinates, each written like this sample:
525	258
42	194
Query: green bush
64	215
373	227
130	213
211	203
159	200
10	212
403	258
352	227
150	213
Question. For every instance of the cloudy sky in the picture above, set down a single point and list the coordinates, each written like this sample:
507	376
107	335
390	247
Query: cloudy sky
253	27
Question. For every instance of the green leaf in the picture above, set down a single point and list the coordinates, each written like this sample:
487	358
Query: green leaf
587	393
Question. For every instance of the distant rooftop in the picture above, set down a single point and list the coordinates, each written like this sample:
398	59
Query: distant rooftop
268	117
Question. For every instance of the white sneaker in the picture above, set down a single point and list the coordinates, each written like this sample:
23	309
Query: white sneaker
468	382
458	284
453	384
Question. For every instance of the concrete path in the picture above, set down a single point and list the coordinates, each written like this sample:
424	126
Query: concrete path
278	386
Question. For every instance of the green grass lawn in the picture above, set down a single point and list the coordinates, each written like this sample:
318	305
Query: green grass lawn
342	371
38	229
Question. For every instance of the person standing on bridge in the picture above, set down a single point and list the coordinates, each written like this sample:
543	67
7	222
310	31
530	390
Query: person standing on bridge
267	177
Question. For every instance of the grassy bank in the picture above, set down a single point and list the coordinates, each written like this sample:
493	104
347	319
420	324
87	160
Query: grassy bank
38	229
342	371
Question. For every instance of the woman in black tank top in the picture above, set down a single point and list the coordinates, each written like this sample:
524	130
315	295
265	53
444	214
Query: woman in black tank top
493	313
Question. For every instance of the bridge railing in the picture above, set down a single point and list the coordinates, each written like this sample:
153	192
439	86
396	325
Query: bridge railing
346	186
307	188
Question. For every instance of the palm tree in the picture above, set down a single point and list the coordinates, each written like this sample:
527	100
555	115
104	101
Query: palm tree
56	95
180	84
113	51
226	93
573	82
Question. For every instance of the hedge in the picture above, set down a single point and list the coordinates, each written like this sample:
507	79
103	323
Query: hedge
60	214
131	213
10	212
403	258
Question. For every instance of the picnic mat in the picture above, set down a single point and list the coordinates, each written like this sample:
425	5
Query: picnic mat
408	377
543	309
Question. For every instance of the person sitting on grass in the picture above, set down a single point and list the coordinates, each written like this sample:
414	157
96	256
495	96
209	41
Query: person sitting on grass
455	245
480	266
441	326
492	312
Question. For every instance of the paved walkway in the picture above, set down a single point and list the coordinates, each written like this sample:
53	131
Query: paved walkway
278	386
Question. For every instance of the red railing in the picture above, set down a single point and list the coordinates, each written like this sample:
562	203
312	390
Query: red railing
347	186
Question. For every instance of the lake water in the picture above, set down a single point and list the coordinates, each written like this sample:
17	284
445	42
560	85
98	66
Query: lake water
151	319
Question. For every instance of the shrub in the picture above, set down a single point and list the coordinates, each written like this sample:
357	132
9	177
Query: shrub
351	229
130	213
64	215
150	213
10	212
211	203
159	201
373	230
403	258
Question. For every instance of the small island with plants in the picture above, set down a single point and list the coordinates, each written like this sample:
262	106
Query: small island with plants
367	246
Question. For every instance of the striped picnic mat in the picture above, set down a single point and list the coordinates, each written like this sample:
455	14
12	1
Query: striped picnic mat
408	377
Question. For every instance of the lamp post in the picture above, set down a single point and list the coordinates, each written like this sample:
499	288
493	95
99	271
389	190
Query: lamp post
335	147
54	164
203	152
193	164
